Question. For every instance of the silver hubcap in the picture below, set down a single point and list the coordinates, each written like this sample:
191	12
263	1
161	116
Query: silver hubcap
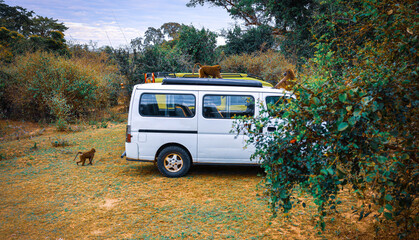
173	162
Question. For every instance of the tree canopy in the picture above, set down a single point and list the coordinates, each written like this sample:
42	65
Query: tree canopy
290	20
251	40
20	32
24	22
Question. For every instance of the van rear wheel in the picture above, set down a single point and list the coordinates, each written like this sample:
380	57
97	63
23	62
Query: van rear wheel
173	162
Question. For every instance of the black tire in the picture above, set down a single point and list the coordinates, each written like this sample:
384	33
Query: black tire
173	162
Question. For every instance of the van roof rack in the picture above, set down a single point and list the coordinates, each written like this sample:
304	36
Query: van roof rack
162	74
212	82
224	75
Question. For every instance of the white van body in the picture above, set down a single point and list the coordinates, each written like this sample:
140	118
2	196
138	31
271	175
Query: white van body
204	137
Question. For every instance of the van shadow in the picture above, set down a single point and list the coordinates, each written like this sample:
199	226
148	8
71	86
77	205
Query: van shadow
225	170
150	170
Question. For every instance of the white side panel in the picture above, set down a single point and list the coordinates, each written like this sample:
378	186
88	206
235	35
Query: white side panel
148	150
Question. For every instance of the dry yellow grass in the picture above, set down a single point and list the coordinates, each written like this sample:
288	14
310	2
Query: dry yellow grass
270	65
45	195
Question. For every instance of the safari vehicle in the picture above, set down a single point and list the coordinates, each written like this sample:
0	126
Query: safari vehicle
182	122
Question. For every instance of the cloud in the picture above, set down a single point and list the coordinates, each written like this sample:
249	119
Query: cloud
106	22
103	34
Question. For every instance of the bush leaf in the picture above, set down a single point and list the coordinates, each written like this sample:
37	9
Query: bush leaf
342	126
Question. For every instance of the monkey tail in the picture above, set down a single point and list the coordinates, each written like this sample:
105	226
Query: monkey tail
193	69
77	155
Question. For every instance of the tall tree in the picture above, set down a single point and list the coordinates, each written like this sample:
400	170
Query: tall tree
22	21
289	19
171	29
43	26
198	44
15	18
21	32
251	40
153	36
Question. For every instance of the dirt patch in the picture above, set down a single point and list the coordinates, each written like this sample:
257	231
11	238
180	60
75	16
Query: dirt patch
15	130
109	203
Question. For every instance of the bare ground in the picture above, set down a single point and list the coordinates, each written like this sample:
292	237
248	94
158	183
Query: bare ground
45	195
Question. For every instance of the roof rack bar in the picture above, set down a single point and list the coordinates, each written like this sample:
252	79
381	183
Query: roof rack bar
212	82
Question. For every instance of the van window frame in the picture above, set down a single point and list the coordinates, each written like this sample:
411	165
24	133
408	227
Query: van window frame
227	95
167	93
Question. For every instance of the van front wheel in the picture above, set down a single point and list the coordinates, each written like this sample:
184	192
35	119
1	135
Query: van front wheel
173	162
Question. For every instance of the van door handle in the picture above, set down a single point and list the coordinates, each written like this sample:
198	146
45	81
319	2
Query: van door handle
271	129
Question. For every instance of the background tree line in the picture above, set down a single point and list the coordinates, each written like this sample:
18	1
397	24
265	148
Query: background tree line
30	41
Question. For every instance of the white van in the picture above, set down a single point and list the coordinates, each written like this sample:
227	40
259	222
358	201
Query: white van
184	121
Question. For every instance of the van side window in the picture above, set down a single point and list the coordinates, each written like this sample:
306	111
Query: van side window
277	100
167	105
228	106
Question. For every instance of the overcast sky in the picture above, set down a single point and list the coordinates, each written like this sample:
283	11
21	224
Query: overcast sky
116	22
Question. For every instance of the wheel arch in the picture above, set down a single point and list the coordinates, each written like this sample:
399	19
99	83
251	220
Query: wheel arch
170	145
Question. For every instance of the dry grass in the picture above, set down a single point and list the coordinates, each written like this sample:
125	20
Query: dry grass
270	65
44	195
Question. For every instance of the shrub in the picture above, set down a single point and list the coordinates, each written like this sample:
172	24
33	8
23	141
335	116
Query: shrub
60	142
45	86
354	123
269	65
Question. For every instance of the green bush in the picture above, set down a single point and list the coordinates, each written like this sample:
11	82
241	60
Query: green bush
354	122
45	86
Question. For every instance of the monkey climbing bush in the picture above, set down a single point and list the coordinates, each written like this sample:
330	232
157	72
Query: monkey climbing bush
355	126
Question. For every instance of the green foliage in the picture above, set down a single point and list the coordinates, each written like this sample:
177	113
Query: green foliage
60	109
44	86
159	59
171	29
186	46
156	58
15	18
291	21
198	44
252	40
354	122
20	32
53	43
44	27
20	20
61	124
10	43
60	142
153	36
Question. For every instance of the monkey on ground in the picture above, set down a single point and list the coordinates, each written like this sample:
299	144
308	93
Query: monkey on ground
87	155
285	83
206	71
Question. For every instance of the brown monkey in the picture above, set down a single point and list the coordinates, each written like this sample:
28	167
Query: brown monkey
87	155
285	83
206	71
